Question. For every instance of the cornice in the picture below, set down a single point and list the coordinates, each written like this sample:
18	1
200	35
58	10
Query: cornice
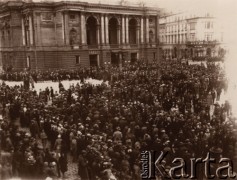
77	6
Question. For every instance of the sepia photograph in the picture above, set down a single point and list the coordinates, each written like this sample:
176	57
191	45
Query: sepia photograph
118	89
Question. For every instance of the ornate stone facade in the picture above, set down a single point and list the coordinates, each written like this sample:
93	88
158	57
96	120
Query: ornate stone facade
56	34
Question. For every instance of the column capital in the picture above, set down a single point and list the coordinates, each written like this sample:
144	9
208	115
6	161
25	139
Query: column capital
106	29
65	11
83	13
125	15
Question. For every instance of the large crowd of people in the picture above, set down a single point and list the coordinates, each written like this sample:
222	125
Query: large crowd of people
170	106
53	75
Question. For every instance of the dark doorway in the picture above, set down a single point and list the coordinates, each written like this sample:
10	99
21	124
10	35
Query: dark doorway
186	53
175	52
209	52
113	27
133	58
115	59
93	60
191	52
132	31
91	30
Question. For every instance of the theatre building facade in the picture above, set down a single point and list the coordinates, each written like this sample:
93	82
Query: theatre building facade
75	34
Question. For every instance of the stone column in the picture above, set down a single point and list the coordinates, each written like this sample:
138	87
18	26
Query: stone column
102	29
137	35
98	60
106	29
83	29
157	29
127	30
147	29
63	27
98	34
31	30
118	34
142	31
23	31
66	28
123	30
38	39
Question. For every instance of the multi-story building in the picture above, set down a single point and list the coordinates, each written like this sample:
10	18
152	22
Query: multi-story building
45	35
186	35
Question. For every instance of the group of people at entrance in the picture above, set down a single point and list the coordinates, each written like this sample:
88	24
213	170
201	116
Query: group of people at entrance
104	128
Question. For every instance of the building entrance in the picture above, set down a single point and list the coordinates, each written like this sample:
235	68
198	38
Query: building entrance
93	60
114	59
133	57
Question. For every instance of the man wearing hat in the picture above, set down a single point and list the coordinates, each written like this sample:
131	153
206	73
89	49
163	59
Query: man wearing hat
83	166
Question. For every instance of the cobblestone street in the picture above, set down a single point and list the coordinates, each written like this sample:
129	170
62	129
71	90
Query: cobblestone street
72	172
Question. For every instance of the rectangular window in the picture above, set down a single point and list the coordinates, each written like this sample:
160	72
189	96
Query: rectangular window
9	35
77	59
192	37
208	25
192	26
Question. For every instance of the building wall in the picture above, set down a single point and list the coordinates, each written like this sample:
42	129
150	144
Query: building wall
51	35
185	32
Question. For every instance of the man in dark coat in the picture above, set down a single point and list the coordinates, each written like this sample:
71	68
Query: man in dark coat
63	164
83	166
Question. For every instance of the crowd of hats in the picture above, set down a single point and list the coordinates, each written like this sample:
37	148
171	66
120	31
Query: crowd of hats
144	107
52	75
209	59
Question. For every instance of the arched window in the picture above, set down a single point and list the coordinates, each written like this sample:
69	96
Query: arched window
113	33
91	30
132	31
